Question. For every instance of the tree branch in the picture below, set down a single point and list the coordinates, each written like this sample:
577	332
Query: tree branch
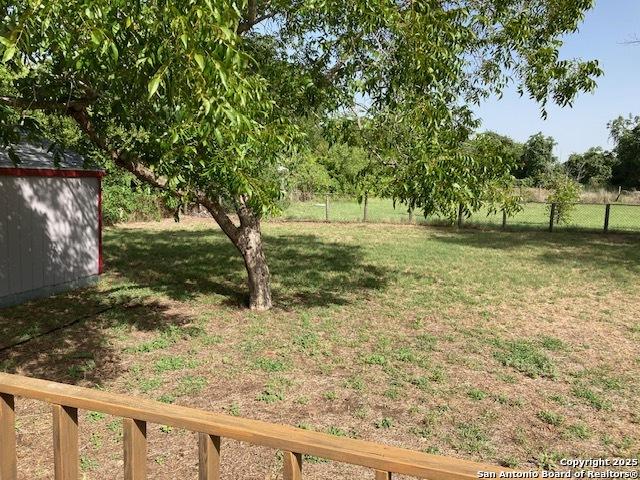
63	106
253	18
132	164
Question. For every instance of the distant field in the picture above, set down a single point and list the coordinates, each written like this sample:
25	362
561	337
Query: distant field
533	215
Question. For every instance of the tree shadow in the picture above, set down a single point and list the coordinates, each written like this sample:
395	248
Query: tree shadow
185	264
67	338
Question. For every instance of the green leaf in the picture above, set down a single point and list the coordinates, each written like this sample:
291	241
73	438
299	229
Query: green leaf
153	85
199	60
9	53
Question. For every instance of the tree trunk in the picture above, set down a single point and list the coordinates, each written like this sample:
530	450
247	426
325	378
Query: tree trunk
255	261
246	237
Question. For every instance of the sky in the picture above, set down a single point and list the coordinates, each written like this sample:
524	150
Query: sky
601	36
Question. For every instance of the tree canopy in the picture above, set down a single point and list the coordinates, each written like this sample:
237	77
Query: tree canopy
625	132
203	98
593	167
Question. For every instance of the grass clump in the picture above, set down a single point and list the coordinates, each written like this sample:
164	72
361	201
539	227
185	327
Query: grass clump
477	394
551	418
170	363
270	364
592	398
526	358
190	385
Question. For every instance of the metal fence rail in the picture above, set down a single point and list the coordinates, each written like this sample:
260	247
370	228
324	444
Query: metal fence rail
593	217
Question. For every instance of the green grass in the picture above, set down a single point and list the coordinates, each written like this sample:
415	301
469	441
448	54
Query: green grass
472	343
526	358
532	215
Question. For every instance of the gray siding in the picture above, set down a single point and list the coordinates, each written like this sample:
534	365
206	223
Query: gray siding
48	232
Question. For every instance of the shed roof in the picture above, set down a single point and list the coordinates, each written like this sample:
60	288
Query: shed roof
34	155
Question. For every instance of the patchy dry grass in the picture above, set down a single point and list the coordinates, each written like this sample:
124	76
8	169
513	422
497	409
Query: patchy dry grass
509	348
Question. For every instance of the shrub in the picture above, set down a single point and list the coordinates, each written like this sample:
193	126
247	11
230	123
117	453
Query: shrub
124	201
565	193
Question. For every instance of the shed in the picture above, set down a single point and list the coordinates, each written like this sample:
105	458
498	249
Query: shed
50	223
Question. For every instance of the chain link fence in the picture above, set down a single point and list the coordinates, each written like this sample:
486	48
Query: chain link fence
534	215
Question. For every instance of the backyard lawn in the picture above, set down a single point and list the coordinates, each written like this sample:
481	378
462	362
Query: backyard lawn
514	348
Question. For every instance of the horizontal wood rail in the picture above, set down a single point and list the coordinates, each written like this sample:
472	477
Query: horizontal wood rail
136	412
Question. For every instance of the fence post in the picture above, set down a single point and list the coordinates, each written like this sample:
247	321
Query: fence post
607	213
366	207
65	442
135	449
504	219
8	459
292	466
209	457
326	207
460	207
552	216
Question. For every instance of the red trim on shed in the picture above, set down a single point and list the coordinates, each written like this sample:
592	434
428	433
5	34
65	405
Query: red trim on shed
49	172
100	258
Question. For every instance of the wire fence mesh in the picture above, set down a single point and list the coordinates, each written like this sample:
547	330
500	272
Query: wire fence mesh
596	217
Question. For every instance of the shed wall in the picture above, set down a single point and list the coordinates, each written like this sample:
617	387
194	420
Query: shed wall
49	234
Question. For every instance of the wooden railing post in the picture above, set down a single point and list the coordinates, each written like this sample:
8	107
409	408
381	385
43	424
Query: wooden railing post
8	462
65	442
292	466
380	475
135	449
209	456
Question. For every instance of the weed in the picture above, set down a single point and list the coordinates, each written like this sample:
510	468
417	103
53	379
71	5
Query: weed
552	344
393	393
355	383
170	363
426	342
548	460
510	462
477	394
579	431
88	464
190	385
474	439
96	441
526	358
592	398
270	364
336	431
330	395
385	422
147	385
274	390
405	354
234	409
551	418
95	416
375	359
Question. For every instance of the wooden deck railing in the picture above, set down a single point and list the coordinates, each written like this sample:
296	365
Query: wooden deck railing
294	442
